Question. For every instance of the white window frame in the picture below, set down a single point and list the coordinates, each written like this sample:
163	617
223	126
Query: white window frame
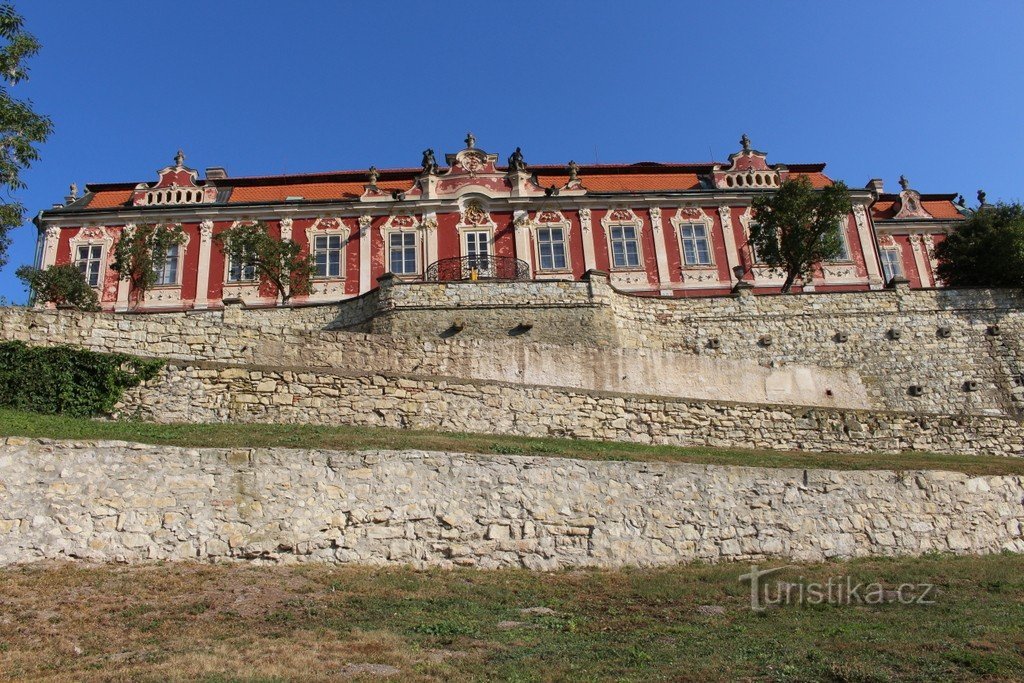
846	256
405	225
488	242
329	226
241	279
624	218
709	242
893	250
314	251
550	228
91	260
416	249
551	220
179	257
93	235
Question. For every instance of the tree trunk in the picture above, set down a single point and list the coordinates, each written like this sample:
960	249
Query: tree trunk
788	284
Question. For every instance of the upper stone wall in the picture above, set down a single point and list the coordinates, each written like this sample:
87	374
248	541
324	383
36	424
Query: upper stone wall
854	350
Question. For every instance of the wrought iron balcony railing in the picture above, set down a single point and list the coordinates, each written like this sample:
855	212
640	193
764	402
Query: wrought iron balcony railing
477	268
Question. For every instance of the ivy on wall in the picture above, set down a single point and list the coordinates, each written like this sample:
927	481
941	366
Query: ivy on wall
69	380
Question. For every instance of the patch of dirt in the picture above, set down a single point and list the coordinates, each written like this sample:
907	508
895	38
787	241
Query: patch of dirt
369	670
539	611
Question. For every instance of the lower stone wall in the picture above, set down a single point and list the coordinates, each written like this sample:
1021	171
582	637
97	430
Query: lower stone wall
113	501
211	392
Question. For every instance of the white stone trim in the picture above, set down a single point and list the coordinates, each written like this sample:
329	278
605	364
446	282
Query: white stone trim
700	275
203	271
550	219
329	288
660	253
917	246
732	254
623	217
430	241
587	235
763	275
51	241
169	296
365	245
91	235
403	224
868	247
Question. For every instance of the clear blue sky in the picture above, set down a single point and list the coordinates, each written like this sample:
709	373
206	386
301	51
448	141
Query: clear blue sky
929	89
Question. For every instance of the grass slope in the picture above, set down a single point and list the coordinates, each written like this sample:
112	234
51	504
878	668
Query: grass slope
14	423
315	622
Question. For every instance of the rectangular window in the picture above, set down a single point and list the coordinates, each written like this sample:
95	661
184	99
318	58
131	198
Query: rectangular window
478	249
844	247
89	261
625	247
241	270
696	250
327	255
891	265
753	252
402	247
551	248
167	272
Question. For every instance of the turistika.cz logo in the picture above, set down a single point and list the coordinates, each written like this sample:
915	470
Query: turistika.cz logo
838	590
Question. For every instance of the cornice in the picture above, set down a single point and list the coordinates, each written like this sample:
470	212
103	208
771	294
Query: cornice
350	208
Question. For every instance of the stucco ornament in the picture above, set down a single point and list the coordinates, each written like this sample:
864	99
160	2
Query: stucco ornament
585	220
206	230
656	219
364	224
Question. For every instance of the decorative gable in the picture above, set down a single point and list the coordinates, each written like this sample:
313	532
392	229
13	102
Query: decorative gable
176	185
748	169
910	203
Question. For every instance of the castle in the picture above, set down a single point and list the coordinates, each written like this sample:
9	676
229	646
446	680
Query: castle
529	301
675	230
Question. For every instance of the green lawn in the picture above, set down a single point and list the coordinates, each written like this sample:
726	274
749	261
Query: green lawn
14	423
316	622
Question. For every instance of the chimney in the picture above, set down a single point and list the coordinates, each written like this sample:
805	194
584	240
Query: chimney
876	185
216	173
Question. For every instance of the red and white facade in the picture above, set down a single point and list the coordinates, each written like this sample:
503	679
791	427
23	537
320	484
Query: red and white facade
657	229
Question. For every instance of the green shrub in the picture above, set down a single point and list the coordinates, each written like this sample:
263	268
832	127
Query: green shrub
62	285
68	380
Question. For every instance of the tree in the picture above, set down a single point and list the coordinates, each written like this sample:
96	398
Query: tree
140	251
987	249
279	263
798	226
21	129
61	285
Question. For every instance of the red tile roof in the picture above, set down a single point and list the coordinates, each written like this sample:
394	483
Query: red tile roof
598	178
940	206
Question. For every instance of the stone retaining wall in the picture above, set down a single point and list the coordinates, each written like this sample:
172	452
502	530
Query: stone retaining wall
217	393
258	337
113	501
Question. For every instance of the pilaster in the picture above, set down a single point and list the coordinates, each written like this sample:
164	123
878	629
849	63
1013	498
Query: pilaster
658	235
203	273
587	235
364	254
917	246
732	255
867	246
521	224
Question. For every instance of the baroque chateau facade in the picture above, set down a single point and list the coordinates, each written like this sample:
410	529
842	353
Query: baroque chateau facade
657	229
